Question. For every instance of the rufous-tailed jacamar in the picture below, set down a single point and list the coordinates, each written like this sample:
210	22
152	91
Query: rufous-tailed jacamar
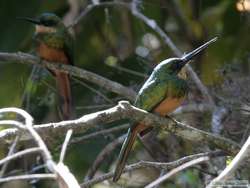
162	93
53	43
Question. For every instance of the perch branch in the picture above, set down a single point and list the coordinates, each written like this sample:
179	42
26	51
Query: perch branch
72	70
126	111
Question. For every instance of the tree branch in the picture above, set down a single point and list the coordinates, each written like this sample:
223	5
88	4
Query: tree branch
28	177
147	164
72	70
126	111
228	172
19	154
176	170
64	178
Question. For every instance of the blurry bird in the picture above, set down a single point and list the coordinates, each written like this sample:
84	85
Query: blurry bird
162	93
53	43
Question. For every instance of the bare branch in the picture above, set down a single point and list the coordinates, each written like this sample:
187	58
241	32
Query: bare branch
132	72
90	7
65	144
72	70
124	110
13	123
193	108
11	151
176	170
147	164
19	154
64	178
28	177
228	172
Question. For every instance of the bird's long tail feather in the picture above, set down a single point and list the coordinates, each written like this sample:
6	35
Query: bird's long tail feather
64	89
123	156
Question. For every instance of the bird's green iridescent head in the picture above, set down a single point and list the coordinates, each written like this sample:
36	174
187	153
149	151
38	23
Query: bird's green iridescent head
45	20
174	65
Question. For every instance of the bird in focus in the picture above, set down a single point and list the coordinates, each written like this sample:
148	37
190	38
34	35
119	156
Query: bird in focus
162	93
54	43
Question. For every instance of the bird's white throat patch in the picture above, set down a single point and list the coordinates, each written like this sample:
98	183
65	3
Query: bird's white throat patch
44	29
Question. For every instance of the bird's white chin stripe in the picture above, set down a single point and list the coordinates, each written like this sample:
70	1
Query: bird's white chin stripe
44	29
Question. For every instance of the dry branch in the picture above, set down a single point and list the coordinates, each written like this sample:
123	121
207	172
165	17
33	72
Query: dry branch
63	176
176	170
238	160
126	111
157	165
28	177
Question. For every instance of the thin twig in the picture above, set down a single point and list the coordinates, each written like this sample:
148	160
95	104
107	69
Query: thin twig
98	133
193	108
65	144
10	153
28	177
147	164
90	7
120	68
19	154
107	150
94	90
228	172
176	170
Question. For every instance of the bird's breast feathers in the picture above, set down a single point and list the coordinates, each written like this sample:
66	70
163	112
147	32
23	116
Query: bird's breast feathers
51	54
168	105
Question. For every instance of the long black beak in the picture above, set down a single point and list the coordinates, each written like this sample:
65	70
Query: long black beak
31	20
187	57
